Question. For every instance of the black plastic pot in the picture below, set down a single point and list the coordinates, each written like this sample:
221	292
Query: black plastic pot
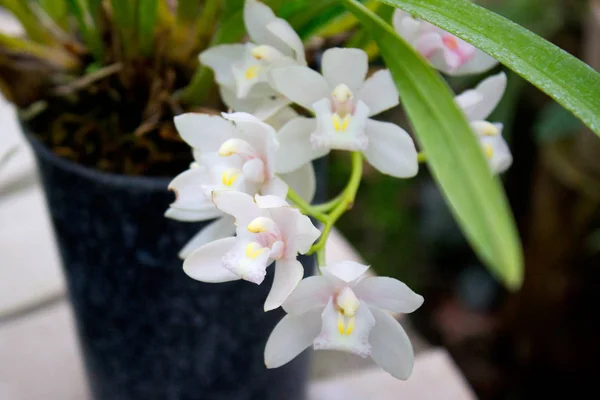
147	330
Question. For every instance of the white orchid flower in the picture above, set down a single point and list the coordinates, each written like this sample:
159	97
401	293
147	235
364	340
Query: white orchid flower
478	104
341	311
240	69
445	52
233	152
342	102
268	230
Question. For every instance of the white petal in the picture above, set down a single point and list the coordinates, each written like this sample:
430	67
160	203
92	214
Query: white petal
480	63
301	85
270	201
220	58
390	346
391	149
339	332
218	229
306	234
379	92
275	187
288	272
312	293
388	294
429	44
188	187
302	181
240	205
292	335
204	132
501	158
262	106
281	118
347	66
206	263
489	91
281	29
346	271
192	216
254	170
257	16
295	149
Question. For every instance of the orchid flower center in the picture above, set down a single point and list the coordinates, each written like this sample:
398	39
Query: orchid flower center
340	121
230	176
266	231
268	54
459	52
347	304
254	167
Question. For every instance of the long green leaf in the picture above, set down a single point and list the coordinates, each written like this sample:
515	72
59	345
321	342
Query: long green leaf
567	80
31	24
57	10
91	35
146	22
125	21
454	154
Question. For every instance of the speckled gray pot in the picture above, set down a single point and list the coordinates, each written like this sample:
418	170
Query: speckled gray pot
147	330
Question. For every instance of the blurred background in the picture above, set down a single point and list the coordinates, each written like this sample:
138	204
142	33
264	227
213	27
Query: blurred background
543	339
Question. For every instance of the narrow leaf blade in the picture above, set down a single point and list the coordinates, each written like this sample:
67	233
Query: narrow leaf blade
454	154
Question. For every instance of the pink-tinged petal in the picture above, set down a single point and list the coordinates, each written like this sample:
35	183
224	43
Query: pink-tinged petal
406	25
204	132
292	335
390	149
480	63
295	149
218	229
270	201
346	271
281	29
220	58
312	293
489	91
388	294
303	181
345	66
275	187
429	44
254	171
240	205
301	85
206	263
288	272
379	92
343	333
188	188
192	216
390	346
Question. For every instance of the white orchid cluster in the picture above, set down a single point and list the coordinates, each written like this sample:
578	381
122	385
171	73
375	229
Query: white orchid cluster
249	162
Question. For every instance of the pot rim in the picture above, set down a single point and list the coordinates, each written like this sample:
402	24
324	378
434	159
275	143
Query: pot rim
154	183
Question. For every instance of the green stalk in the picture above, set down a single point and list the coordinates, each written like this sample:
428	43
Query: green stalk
90	32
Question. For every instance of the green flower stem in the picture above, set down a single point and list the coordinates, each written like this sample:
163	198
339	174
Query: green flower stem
330	205
421	157
305	207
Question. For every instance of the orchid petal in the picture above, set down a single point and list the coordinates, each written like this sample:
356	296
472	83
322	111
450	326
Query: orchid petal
306	234
480	63
220	58
346	271
295	148
501	158
490	92
379	92
206	263
281	117
220	228
203	131
288	272
257	17
345	66
275	187
292	335
192	216
391	149
281	29
270	201
312	293
390	346
301	85
261	105
240	205
302	181
429	44
388	294
406	25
